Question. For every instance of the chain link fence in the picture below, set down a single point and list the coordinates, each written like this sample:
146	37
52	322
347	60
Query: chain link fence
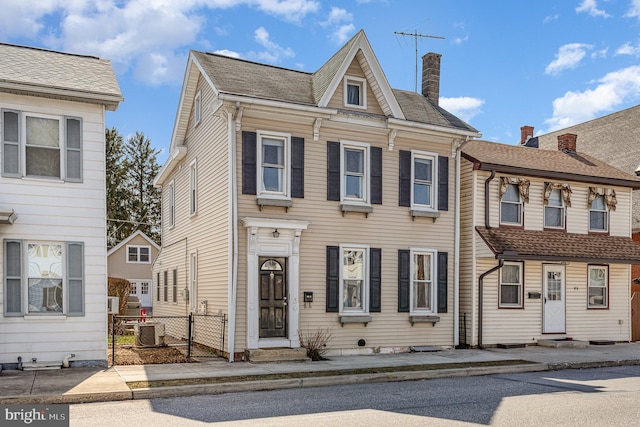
141	340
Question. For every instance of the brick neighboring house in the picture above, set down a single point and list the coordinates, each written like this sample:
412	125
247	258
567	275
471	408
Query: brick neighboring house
52	205
546	244
296	201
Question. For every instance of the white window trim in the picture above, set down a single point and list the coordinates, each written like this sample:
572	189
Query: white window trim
193	188
197	108
61	145
606	286
434	285
25	279
359	81
562	209
286	173
521	287
434	184
172	204
606	216
520	203
366	184
365	287
138	247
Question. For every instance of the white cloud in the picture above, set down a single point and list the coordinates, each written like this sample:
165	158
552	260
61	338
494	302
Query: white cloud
229	53
568	56
337	15
274	52
612	90
343	33
628	49
464	107
460	40
340	23
136	35
591	7
551	18
634	9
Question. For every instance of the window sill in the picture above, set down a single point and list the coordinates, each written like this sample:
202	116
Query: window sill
424	214
262	201
364	318
34	316
356	208
424	318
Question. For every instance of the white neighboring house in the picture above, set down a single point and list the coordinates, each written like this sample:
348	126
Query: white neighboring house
131	260
53	260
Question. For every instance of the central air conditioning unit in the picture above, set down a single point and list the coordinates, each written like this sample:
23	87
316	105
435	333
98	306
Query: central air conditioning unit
149	334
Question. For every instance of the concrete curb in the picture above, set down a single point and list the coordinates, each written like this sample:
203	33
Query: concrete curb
67	398
261	385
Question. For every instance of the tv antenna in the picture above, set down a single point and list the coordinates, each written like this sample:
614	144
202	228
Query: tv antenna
415	36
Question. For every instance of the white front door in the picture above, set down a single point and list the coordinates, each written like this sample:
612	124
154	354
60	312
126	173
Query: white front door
142	289
553	310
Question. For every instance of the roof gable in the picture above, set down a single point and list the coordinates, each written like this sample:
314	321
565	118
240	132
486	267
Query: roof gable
329	77
130	238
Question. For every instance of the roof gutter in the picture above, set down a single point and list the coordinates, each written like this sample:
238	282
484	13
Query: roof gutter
277	104
397	123
174	158
111	101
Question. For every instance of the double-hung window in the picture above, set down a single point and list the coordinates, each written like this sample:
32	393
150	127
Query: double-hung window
511	285
423	293
423	173
172	204
598	286
354	279
554	210
41	146
43	278
138	254
355	92
273	165
598	215
355	172
511	206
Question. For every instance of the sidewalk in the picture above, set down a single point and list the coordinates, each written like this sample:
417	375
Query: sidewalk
76	385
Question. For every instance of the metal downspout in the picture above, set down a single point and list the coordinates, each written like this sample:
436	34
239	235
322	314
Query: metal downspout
480	286
487	223
233	226
456	249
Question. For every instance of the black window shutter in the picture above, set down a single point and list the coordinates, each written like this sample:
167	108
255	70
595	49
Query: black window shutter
333	170
405	179
443	275
333	279
376	175
249	142
297	167
375	279
443	183
403	280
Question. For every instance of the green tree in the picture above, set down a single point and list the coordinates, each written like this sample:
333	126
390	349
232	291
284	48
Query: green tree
133	203
144	199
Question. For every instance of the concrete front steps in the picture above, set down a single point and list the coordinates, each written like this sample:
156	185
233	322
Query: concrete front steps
275	355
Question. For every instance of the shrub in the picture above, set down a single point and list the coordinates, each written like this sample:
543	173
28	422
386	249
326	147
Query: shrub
315	341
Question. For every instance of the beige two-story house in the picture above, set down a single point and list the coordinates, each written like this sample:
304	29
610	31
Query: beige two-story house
296	201
546	245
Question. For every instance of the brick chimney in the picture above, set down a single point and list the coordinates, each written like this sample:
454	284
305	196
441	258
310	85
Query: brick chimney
526	132
567	143
431	77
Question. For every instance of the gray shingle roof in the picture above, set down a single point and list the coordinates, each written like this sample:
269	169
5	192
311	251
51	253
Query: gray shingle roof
517	244
545	163
251	79
27	69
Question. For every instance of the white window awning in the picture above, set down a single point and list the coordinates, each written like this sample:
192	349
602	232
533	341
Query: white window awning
7	216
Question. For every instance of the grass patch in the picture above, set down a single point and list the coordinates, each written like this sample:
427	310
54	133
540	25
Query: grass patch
124	339
295	375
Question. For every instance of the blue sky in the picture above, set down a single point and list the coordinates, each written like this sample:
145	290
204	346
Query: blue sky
505	63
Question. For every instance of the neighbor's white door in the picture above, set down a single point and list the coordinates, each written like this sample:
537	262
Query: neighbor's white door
142	289
553	302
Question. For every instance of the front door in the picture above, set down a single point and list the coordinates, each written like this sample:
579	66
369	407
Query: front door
553	311
273	297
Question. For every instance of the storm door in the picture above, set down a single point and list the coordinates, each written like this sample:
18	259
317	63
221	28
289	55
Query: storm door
273	297
553	312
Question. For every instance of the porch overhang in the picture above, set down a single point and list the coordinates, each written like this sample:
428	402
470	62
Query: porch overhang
7	216
521	245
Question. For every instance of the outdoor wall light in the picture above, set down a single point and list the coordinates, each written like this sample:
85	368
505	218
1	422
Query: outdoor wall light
276	233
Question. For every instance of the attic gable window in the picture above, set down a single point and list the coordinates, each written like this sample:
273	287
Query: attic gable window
355	92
